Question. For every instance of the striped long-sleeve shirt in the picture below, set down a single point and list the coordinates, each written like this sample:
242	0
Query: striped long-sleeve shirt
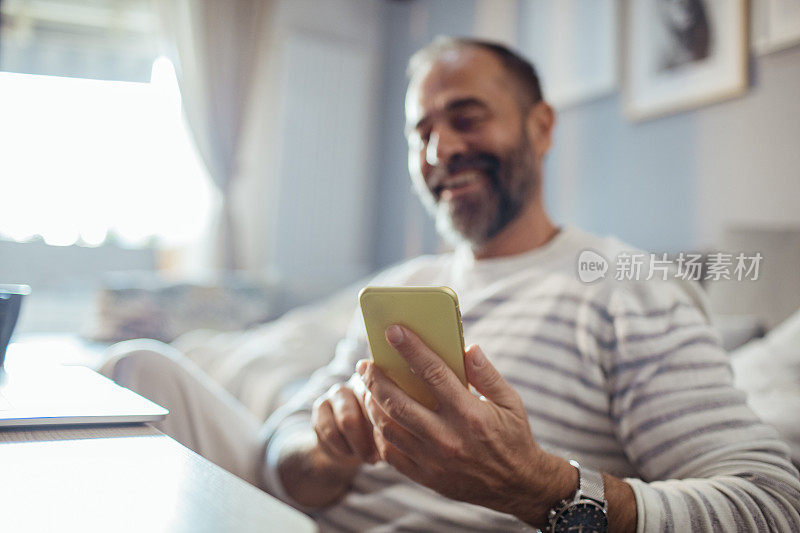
626	378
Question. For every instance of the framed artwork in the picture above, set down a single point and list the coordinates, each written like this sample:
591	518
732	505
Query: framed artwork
776	24
682	54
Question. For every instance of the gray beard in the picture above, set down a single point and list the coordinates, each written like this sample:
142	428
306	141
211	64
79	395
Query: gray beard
476	220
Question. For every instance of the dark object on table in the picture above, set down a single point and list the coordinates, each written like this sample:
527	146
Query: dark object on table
10	303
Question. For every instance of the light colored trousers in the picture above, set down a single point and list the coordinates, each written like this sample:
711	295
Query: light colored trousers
203	416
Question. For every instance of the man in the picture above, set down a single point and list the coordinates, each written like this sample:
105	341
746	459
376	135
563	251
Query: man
627	379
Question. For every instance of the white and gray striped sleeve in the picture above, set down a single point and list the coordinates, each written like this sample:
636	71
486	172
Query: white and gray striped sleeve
705	460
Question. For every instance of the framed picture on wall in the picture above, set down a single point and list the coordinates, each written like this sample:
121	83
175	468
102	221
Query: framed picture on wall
682	54
775	24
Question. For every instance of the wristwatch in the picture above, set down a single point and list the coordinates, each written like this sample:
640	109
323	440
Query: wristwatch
586	511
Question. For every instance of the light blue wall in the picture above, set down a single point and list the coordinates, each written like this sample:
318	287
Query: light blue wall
613	177
686	180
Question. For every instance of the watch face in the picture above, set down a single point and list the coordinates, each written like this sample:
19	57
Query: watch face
581	517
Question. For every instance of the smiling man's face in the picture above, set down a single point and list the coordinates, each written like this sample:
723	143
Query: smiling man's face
471	157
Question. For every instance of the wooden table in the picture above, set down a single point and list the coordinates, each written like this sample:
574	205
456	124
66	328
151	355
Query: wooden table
126	478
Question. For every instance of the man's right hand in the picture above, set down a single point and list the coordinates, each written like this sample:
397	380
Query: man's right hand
344	432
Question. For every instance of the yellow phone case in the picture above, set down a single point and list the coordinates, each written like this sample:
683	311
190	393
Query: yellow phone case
432	313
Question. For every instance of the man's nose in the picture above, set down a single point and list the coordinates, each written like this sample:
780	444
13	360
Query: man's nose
442	145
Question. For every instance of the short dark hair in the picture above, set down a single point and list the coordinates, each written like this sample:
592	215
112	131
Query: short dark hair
520	69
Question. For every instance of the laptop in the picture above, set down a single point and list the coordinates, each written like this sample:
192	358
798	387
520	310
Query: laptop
69	395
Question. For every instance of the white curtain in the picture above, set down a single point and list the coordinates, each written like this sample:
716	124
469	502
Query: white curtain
216	54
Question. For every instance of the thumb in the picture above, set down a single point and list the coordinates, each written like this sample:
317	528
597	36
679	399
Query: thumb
487	380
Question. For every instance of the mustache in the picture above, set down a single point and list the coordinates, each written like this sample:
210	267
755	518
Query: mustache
480	161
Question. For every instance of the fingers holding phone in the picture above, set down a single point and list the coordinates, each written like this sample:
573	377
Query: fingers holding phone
343	430
433	315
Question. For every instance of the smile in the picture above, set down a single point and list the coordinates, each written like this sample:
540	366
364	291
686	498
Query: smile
462	183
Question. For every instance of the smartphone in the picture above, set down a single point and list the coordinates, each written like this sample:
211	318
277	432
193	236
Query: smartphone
430	312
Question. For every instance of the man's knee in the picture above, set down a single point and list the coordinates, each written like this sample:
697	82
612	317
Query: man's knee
142	363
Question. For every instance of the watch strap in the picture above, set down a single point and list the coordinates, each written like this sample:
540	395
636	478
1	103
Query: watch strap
591	483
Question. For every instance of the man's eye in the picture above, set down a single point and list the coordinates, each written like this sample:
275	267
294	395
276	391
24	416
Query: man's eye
465	122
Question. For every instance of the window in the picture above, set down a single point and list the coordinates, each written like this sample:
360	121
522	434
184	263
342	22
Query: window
92	142
88	160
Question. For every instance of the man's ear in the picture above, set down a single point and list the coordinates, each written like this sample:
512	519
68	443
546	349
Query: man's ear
540	122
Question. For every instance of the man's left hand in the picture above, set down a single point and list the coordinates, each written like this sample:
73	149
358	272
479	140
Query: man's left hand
474	449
